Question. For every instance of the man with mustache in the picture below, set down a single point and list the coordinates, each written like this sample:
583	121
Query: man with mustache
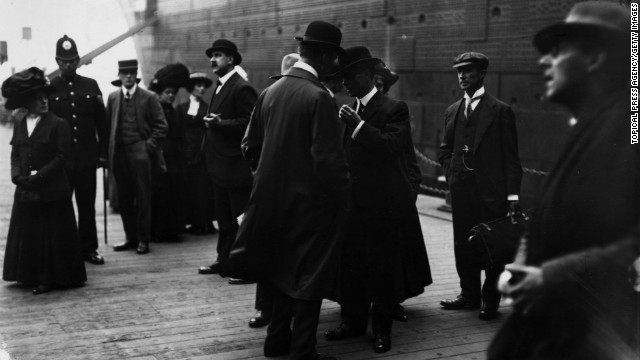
479	157
228	116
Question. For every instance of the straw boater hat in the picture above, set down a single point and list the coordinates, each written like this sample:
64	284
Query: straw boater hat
322	33
172	75
19	86
196	77
356	56
126	65
605	23
66	49
227	47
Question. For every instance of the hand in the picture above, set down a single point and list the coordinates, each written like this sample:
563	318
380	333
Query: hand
349	116
212	120
34	180
514	207
20	180
522	284
103	163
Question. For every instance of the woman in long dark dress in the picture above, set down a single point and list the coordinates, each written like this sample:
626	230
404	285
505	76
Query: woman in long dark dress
200	212
167	211
43	247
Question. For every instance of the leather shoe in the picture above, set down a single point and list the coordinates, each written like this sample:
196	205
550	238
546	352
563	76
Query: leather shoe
94	258
235	281
488	312
125	246
399	314
458	303
343	331
211	269
259	320
41	289
382	343
143	248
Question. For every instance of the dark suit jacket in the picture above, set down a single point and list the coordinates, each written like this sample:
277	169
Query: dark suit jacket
223	156
151	120
81	105
44	151
498	172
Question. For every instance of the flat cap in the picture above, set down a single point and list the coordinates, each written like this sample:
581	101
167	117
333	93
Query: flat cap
469	58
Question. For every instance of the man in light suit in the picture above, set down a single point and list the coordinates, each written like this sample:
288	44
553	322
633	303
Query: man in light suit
138	126
479	156
229	112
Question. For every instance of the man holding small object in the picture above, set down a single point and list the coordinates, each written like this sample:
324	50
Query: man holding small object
479	157
229	112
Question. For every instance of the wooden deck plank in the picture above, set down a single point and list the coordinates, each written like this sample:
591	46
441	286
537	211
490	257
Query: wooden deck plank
156	307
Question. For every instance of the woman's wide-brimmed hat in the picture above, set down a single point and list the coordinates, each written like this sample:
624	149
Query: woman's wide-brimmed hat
198	76
19	86
356	56
388	77
606	23
126	65
172	75
227	47
322	33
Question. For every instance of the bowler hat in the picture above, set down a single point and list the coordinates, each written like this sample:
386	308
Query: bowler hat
172	75
66	49
357	55
126	65
227	47
20	85
468	58
196	77
604	23
322	33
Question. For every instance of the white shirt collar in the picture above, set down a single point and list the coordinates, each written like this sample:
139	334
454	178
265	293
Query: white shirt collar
476	95
226	77
307	67
131	91
365	99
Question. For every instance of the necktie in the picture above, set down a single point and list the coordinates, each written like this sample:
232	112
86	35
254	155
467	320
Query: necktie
360	109
218	86
127	96
468	110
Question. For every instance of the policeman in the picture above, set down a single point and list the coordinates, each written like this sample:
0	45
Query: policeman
78	100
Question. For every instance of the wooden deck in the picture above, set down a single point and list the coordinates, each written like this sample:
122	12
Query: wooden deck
155	306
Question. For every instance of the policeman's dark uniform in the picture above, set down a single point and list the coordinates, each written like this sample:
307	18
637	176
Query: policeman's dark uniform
78	100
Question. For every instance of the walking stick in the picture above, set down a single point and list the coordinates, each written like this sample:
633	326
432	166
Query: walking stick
105	191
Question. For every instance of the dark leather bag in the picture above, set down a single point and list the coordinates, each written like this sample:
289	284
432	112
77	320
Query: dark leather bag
495	243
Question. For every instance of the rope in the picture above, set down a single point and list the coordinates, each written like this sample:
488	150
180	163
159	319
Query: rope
425	159
434	190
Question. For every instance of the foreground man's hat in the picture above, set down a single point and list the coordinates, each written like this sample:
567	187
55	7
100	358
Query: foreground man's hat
468	58
596	21
66	49
227	47
20	85
322	33
356	56
126	65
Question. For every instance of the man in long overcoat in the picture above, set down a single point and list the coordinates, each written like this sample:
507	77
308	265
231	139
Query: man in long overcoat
479	157
299	196
385	259
573	282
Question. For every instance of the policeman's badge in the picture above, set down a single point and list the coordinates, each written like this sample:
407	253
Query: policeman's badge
66	45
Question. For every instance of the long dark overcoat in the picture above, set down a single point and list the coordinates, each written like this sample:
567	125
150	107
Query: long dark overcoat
297	208
384	229
581	236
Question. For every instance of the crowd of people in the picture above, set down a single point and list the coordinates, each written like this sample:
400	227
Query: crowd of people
328	195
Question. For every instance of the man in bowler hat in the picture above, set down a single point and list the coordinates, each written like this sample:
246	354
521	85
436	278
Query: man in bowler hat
229	111
292	226
138	126
572	284
479	157
384	258
78	100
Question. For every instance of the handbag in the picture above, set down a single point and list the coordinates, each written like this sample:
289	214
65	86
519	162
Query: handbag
495	243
